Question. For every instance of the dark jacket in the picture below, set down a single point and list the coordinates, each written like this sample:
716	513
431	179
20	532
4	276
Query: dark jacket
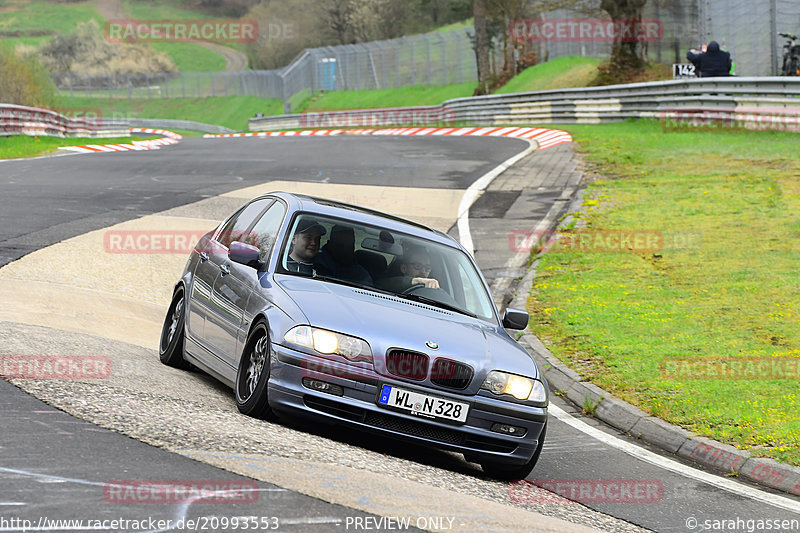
711	63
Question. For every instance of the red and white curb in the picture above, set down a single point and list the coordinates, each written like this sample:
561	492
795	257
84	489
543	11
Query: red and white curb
545	138
153	144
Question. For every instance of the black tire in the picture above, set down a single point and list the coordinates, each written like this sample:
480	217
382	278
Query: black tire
503	472
253	374
170	349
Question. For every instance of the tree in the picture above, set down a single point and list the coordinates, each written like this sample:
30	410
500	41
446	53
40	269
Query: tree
481	46
627	56
339	15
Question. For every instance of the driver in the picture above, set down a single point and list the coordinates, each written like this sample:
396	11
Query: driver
415	269
305	246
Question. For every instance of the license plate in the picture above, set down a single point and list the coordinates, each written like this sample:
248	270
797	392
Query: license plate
423	405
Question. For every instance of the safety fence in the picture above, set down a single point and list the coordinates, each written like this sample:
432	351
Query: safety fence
768	103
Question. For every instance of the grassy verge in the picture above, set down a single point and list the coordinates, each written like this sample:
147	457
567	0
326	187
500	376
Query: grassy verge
405	96
191	57
16	146
572	71
52	17
188	57
724	285
230	111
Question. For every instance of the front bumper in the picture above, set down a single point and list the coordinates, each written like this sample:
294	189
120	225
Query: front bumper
358	407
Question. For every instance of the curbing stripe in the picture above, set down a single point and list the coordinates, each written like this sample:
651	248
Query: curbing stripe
154	144
545	138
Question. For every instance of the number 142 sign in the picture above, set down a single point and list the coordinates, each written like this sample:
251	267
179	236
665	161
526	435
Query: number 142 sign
683	70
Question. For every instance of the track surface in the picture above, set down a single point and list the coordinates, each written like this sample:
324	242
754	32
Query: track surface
47	200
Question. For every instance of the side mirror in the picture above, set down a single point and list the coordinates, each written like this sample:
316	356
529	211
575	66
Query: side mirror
245	254
515	319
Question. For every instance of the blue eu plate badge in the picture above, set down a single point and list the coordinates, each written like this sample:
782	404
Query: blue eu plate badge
385	392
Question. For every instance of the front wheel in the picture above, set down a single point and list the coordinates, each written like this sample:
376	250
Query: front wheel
502	472
170	349
253	374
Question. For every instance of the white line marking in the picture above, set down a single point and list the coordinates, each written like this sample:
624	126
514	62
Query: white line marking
539	234
674	466
475	190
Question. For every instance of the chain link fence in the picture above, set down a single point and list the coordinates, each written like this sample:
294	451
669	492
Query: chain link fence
428	59
749	29
746	28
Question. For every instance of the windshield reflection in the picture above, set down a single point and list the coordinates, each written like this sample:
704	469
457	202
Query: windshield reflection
393	263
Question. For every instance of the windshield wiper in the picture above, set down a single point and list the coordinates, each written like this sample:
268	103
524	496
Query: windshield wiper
340	281
435	303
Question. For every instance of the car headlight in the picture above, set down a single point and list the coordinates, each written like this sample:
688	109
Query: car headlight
329	342
519	387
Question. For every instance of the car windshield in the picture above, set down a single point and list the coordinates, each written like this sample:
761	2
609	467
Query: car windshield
373	258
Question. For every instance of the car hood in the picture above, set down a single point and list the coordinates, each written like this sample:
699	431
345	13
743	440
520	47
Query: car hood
386	322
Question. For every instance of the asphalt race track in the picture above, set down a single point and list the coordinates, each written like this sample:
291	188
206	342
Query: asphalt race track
59	466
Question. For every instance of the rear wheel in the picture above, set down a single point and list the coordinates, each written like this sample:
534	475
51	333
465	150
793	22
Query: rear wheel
503	472
170	349
253	374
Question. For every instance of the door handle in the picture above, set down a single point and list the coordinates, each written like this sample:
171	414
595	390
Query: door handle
225	269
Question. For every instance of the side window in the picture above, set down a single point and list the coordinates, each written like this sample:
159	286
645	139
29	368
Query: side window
236	228
266	229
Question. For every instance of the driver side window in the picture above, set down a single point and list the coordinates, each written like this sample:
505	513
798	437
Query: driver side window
236	227
265	232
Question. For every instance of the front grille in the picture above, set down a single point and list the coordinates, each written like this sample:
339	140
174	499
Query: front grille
489	444
417	429
408	427
339	409
451	374
409	365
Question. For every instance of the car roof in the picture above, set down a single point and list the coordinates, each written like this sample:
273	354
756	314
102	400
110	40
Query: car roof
334	208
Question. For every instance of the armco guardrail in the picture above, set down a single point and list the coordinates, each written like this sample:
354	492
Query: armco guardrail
21	120
168	124
359	118
772	102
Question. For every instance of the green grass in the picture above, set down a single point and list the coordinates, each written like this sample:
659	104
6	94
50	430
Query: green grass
564	72
48	16
230	111
732	292
188	57
463	25
405	96
16	146
191	57
161	10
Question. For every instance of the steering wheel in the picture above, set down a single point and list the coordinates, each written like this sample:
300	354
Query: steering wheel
413	287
